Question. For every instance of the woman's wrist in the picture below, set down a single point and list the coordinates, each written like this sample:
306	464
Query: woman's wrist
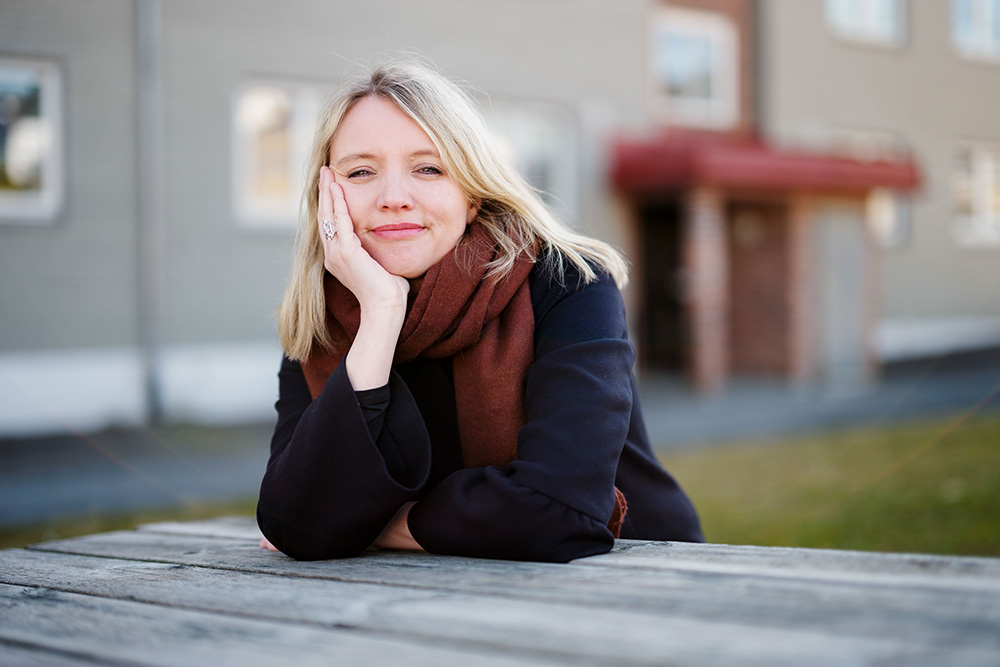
369	361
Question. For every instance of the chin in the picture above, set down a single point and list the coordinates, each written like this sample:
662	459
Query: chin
410	275
407	270
404	265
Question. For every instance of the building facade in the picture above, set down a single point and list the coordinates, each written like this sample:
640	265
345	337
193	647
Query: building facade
737	151
756	255
903	79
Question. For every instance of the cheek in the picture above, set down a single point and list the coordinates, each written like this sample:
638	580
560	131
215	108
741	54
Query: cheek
357	205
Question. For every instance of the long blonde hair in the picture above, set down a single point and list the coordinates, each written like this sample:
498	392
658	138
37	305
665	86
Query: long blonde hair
509	209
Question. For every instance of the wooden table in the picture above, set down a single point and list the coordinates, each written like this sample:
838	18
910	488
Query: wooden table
204	593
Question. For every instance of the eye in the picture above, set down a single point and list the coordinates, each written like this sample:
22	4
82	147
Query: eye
430	170
358	173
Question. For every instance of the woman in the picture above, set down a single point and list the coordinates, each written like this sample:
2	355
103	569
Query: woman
457	374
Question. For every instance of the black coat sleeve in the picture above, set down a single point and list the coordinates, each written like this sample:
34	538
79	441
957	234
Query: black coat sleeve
327	491
553	503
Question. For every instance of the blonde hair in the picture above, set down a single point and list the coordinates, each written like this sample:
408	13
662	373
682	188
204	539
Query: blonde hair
509	209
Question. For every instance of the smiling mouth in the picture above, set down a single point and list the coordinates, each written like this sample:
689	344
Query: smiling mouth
402	230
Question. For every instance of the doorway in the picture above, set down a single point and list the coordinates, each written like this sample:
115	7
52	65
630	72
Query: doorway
663	337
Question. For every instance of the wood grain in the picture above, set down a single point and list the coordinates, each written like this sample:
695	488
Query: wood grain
642	604
115	631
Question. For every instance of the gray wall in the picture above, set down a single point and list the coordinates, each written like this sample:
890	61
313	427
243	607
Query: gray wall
74	283
813	82
223	281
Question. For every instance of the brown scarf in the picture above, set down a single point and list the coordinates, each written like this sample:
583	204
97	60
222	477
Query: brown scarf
485	326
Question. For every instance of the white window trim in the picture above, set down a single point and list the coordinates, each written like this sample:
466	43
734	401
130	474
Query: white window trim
254	214
979	230
981	49
41	208
723	111
863	33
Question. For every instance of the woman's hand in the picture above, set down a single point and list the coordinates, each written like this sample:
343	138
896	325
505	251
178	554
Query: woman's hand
381	294
347	260
396	534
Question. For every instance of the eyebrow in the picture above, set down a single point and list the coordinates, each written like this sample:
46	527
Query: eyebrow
427	152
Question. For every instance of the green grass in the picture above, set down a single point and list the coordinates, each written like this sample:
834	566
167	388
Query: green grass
928	487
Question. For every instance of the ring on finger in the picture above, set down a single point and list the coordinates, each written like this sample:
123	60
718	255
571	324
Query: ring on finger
328	231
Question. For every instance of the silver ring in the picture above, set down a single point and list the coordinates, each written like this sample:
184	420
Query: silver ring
328	230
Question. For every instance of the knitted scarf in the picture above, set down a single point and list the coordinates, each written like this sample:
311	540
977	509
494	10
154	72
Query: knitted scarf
485	326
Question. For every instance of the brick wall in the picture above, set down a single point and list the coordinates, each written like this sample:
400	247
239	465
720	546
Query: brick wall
759	316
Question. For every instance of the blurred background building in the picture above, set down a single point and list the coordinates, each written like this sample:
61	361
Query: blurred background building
807	189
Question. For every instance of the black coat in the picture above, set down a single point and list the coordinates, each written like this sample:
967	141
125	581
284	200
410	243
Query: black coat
342	465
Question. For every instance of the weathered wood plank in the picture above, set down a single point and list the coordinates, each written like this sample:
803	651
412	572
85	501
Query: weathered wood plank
658	555
325	603
234	527
644	603
115	631
426	570
944	617
707	557
17	656
537	628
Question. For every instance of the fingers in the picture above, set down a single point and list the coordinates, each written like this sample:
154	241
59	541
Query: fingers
325	209
336	229
341	217
334	217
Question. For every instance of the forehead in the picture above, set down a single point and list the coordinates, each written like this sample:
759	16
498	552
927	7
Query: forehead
374	126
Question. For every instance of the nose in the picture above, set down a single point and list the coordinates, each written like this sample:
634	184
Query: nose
395	195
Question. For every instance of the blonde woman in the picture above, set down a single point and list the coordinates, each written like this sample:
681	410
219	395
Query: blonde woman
457	374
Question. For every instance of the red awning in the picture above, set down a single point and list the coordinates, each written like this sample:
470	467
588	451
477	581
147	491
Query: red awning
645	166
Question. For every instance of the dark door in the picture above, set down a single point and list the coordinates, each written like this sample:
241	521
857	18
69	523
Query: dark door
664	333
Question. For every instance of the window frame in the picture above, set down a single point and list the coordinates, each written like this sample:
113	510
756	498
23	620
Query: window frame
980	48
722	112
306	103
41	207
864	25
981	227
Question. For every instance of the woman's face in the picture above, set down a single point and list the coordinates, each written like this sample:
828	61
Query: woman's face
407	211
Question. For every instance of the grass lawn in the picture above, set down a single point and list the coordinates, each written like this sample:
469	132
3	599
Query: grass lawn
929	486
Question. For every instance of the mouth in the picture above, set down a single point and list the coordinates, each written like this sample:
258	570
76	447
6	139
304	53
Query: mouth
400	230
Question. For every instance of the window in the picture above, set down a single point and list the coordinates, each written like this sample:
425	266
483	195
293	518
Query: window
31	144
879	22
977	194
975	28
272	134
693	67
541	139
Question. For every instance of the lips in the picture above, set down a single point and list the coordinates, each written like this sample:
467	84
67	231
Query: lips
400	230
